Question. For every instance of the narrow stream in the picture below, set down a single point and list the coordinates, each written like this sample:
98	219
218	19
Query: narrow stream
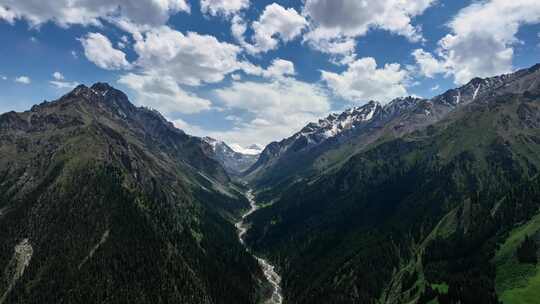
268	269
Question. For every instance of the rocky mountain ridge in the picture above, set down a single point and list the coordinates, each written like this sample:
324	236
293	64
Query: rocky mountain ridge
360	126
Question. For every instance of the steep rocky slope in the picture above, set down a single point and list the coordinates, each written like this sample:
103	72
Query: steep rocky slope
104	202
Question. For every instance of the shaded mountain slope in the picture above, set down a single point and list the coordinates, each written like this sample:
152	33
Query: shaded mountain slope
370	224
105	202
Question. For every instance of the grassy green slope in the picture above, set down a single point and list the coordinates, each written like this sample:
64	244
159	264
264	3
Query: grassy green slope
517	282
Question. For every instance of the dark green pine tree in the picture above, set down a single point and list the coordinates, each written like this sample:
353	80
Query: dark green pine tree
526	252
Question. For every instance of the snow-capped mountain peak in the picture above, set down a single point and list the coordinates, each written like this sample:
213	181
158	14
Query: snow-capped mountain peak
234	158
402	104
212	142
335	124
251	150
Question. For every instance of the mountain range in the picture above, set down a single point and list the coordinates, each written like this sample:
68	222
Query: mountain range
105	202
412	201
320	145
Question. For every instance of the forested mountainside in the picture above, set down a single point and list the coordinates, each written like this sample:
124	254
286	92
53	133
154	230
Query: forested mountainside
435	215
104	202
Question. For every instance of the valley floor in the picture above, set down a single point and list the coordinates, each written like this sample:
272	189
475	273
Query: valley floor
269	270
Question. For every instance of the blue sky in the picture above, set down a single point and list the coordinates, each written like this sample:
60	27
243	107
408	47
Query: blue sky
256	71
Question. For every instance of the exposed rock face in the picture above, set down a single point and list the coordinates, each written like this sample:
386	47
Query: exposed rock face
17	265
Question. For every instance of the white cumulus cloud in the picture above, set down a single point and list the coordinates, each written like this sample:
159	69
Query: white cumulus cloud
58	76
429	65
276	24
280	68
191	58
163	93
168	59
364	81
90	12
335	23
23	80
7	14
99	50
277	69
481	40
223	7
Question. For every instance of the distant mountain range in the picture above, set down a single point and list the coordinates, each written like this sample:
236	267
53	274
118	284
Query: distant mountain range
235	159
